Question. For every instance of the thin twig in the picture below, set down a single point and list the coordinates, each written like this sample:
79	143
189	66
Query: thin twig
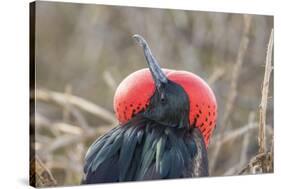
83	104
108	78
81	120
67	139
263	104
244	148
236	72
233	134
233	85
263	161
67	128
74	134
217	74
69	108
245	143
40	175
42	121
66	107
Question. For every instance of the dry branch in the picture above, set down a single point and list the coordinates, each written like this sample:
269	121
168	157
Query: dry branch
40	176
233	134
245	143
74	134
43	122
246	140
109	80
60	98
263	104
263	161
67	128
233	85
217	74
236	72
67	139
69	108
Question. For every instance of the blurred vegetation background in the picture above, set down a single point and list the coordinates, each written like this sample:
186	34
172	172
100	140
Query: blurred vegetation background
84	51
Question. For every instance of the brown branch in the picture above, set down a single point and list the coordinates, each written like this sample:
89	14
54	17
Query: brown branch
67	139
67	128
75	134
40	176
109	80
56	127
244	148
66	107
69	108
246	140
263	104
42	121
263	161
217	74
236	72
233	85
233	134
60	98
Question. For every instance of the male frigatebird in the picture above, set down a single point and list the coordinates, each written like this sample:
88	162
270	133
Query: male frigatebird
166	118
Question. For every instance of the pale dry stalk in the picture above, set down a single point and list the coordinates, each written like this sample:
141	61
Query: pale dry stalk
263	104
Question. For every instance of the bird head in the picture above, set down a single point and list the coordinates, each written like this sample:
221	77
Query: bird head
171	98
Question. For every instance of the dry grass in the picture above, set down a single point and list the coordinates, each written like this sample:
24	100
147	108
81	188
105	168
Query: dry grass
53	137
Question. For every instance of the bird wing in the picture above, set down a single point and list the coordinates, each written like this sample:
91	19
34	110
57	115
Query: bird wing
100	161
109	159
144	150
200	160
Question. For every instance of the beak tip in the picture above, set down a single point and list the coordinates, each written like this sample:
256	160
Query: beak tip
135	35
139	39
153	65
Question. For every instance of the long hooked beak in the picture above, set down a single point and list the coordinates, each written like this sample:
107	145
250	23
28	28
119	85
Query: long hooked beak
157	74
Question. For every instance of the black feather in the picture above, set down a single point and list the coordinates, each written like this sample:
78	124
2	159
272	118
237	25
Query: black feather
127	151
145	150
106	172
151	173
95	147
165	164
139	136
148	154
159	151
107	151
